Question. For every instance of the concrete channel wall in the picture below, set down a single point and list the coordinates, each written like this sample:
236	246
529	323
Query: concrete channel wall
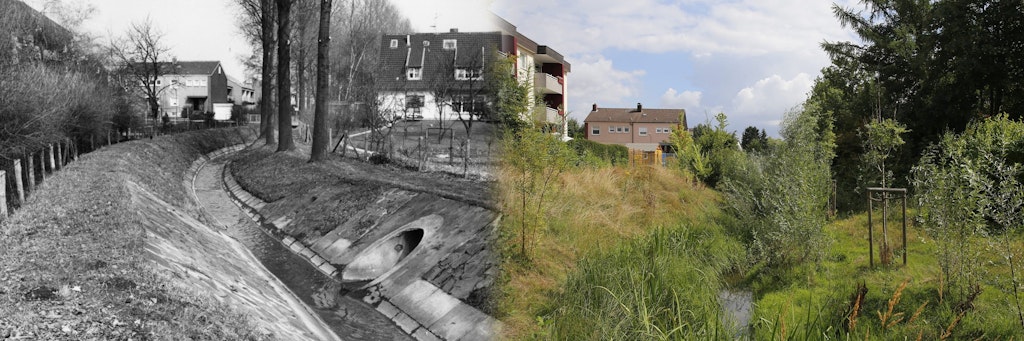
454	232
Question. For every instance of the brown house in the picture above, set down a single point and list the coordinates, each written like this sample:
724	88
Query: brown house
636	128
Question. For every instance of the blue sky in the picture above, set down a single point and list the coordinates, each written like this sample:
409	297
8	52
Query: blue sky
752	59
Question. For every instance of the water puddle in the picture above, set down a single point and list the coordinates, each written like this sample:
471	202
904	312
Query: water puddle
737	308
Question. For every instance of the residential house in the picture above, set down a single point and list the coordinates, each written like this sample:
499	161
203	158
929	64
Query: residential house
636	128
426	74
193	86
241	93
414	65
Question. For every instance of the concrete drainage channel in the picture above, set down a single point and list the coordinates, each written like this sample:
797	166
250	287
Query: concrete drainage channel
400	266
315	292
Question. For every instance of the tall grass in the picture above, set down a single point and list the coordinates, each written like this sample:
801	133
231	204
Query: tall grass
592	217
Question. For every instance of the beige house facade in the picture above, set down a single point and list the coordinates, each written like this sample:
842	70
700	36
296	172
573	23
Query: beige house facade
636	128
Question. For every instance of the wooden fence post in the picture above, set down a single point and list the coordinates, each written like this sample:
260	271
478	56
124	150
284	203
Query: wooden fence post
3	195
42	166
60	157
19	186
30	170
53	167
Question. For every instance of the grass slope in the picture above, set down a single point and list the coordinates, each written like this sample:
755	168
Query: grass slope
72	267
814	301
607	232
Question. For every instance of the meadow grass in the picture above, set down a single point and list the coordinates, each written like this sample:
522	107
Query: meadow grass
641	253
585	257
817	301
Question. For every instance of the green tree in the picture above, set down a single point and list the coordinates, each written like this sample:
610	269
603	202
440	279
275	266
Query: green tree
970	188
780	197
754	140
512	97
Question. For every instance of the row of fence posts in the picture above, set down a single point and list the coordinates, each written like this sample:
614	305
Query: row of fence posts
21	176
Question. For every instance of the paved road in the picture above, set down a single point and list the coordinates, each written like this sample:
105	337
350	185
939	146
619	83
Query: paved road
349	318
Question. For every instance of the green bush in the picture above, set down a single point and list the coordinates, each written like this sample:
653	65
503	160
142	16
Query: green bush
970	187
608	153
780	197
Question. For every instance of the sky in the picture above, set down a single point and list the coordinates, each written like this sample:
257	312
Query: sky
754	60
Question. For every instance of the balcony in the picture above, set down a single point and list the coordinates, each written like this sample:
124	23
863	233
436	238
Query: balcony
551	115
547	84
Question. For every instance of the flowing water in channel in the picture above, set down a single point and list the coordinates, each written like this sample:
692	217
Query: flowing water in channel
737	307
349	318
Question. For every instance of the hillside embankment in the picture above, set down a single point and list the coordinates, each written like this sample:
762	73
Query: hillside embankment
115	247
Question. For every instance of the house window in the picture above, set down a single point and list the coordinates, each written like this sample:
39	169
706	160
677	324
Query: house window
627	129
414	73
159	82
611	129
413	101
202	82
643	131
618	129
448	44
468	74
394	43
596	130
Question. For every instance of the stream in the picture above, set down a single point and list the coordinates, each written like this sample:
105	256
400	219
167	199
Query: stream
737	308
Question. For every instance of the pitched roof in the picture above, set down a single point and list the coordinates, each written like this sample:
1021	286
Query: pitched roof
637	115
426	50
192	67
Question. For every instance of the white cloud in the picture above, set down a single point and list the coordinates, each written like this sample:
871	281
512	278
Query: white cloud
686	99
594	79
764	102
700	27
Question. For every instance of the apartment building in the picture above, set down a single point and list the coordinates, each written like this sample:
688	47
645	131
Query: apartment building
414	65
636	128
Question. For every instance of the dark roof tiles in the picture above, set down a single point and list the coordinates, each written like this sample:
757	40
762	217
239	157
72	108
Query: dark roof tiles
633	115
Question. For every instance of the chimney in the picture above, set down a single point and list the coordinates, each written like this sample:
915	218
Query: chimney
453	30
595	107
639	107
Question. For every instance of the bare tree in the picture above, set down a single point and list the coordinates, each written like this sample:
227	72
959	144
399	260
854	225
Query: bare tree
284	81
141	56
323	73
257	25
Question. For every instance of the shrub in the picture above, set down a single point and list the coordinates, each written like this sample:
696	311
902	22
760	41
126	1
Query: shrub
608	153
780	198
971	187
39	106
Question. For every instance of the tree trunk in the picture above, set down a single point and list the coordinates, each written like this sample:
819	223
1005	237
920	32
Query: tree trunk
267	71
323	72
284	81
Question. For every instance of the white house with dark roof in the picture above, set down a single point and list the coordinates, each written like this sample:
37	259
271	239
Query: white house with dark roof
413	64
193	86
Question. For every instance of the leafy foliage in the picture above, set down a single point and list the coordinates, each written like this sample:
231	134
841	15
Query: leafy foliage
531	162
971	186
754	140
708	152
779	198
932	65
598	153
